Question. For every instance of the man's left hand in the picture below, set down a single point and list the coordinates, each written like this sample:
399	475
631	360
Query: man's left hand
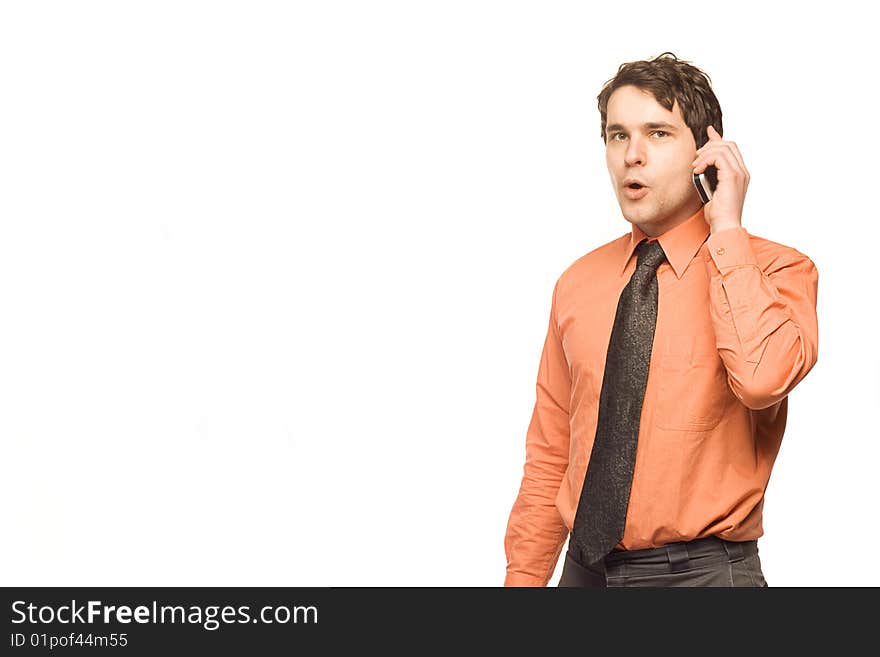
725	208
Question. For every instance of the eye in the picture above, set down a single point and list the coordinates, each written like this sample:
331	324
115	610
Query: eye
663	132
614	136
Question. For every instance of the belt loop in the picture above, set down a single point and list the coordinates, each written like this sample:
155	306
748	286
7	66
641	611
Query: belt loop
678	556
734	550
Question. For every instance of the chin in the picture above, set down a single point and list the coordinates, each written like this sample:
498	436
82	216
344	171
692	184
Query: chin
638	215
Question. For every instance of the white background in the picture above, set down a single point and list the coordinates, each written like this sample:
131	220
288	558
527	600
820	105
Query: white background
275	277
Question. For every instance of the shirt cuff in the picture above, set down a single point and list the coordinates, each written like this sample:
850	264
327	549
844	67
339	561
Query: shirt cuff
731	248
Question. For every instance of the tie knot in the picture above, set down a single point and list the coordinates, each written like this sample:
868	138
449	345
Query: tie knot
650	254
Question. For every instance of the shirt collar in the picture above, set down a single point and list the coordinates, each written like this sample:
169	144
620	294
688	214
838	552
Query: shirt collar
680	244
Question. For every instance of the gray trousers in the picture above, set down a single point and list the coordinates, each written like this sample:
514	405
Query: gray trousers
707	561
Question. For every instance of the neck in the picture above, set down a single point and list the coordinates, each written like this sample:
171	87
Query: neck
655	229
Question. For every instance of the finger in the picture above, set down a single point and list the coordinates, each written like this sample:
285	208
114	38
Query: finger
712	143
708	145
715	157
732	145
729	147
735	149
714	146
712	133
723	160
714	137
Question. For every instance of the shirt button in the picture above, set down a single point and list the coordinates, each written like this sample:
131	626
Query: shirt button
720	250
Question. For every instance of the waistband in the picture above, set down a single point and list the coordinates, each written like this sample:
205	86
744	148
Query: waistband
675	556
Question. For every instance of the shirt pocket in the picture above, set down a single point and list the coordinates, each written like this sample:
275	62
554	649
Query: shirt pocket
692	388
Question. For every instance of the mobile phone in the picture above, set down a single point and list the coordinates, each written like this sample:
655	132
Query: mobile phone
706	183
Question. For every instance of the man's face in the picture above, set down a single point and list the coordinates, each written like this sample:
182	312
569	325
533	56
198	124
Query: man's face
648	143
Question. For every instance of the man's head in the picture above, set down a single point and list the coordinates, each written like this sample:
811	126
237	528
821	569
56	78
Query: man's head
654	117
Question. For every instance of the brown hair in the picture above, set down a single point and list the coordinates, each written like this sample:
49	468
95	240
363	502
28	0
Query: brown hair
669	79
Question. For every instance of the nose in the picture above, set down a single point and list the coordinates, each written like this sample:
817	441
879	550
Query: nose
635	152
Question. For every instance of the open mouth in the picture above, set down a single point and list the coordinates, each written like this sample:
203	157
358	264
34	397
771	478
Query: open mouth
635	191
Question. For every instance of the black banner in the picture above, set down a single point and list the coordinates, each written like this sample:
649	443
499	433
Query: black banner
162	621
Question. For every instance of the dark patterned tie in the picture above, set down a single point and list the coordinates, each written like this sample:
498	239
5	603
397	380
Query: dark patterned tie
601	513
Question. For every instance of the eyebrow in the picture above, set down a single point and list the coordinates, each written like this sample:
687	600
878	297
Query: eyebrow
651	126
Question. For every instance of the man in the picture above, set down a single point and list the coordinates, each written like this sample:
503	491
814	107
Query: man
661	395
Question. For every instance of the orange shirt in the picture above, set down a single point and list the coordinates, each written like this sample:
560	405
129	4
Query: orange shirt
736	331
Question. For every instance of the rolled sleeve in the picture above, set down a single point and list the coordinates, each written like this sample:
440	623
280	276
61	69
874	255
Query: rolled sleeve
764	318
